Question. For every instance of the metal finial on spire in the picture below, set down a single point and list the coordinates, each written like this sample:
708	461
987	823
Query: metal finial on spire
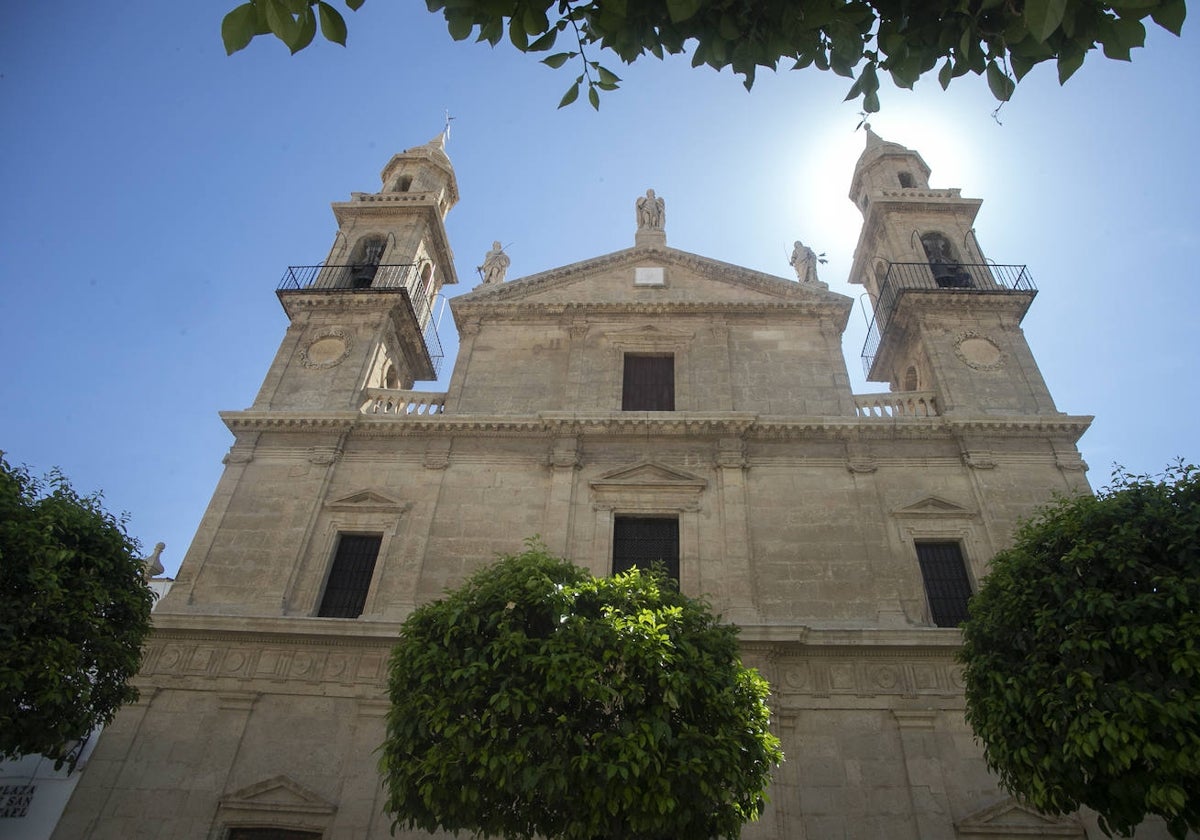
446	130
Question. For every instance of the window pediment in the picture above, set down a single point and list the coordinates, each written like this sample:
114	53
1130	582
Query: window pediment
650	474
1011	819
648	487
275	795
368	501
933	506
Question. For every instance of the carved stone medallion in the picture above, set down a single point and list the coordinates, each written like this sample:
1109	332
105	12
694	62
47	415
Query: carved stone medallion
328	347
978	352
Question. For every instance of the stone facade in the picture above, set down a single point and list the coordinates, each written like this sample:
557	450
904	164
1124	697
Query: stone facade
800	507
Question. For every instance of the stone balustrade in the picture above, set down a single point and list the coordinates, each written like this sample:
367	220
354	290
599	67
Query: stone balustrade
896	404
395	402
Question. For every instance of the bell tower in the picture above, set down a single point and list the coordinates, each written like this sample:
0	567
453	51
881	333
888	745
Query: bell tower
947	319
364	317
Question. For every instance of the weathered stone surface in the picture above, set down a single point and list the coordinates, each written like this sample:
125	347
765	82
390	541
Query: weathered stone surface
798	517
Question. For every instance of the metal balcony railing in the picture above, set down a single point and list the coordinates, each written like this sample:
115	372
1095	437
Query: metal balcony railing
951	278
370	277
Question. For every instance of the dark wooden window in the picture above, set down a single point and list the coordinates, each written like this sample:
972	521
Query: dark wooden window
644	540
350	577
946	583
649	383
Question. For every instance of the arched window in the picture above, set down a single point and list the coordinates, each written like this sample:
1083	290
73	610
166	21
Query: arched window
906	180
365	264
948	271
403	183
910	379
390	379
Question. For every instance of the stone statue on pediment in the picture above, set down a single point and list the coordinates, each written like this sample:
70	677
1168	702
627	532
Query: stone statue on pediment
495	264
651	212
804	260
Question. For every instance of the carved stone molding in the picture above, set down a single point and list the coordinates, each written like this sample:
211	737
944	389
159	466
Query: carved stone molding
684	423
868	676
565	453
731	452
238	455
244	661
323	456
437	454
979	459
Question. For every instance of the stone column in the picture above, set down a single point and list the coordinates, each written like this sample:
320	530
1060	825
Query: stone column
560	501
736	585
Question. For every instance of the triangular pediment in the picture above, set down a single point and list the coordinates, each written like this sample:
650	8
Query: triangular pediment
1012	819
368	501
279	793
933	506
686	279
650	474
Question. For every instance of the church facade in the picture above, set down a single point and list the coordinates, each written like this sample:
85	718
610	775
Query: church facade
647	402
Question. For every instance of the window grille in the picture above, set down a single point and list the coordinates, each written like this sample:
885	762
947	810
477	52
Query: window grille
642	541
946	583
649	383
350	578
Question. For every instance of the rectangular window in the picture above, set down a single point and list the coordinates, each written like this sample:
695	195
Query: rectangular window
946	583
649	383
350	578
643	540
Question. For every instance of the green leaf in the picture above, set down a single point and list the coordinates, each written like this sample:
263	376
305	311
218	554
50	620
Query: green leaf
517	35
333	25
281	22
238	27
355	5
594	97
558	59
998	81
871	103
1068	63
1043	17
946	74
570	96
681	10
306	30
535	20
1170	15
607	76
1130	33
460	26
545	42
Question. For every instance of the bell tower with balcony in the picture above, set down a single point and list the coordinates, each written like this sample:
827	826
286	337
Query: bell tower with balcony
364	318
946	318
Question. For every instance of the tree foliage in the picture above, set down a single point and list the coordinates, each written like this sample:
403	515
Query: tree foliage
537	700
1082	655
858	39
74	610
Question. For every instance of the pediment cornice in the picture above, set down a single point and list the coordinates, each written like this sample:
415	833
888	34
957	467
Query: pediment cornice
522	292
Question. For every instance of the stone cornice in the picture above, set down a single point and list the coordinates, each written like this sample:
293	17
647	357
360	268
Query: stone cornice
618	423
292	630
780	638
542	310
366	300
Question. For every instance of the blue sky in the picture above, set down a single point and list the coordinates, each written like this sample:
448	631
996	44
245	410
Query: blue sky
157	189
